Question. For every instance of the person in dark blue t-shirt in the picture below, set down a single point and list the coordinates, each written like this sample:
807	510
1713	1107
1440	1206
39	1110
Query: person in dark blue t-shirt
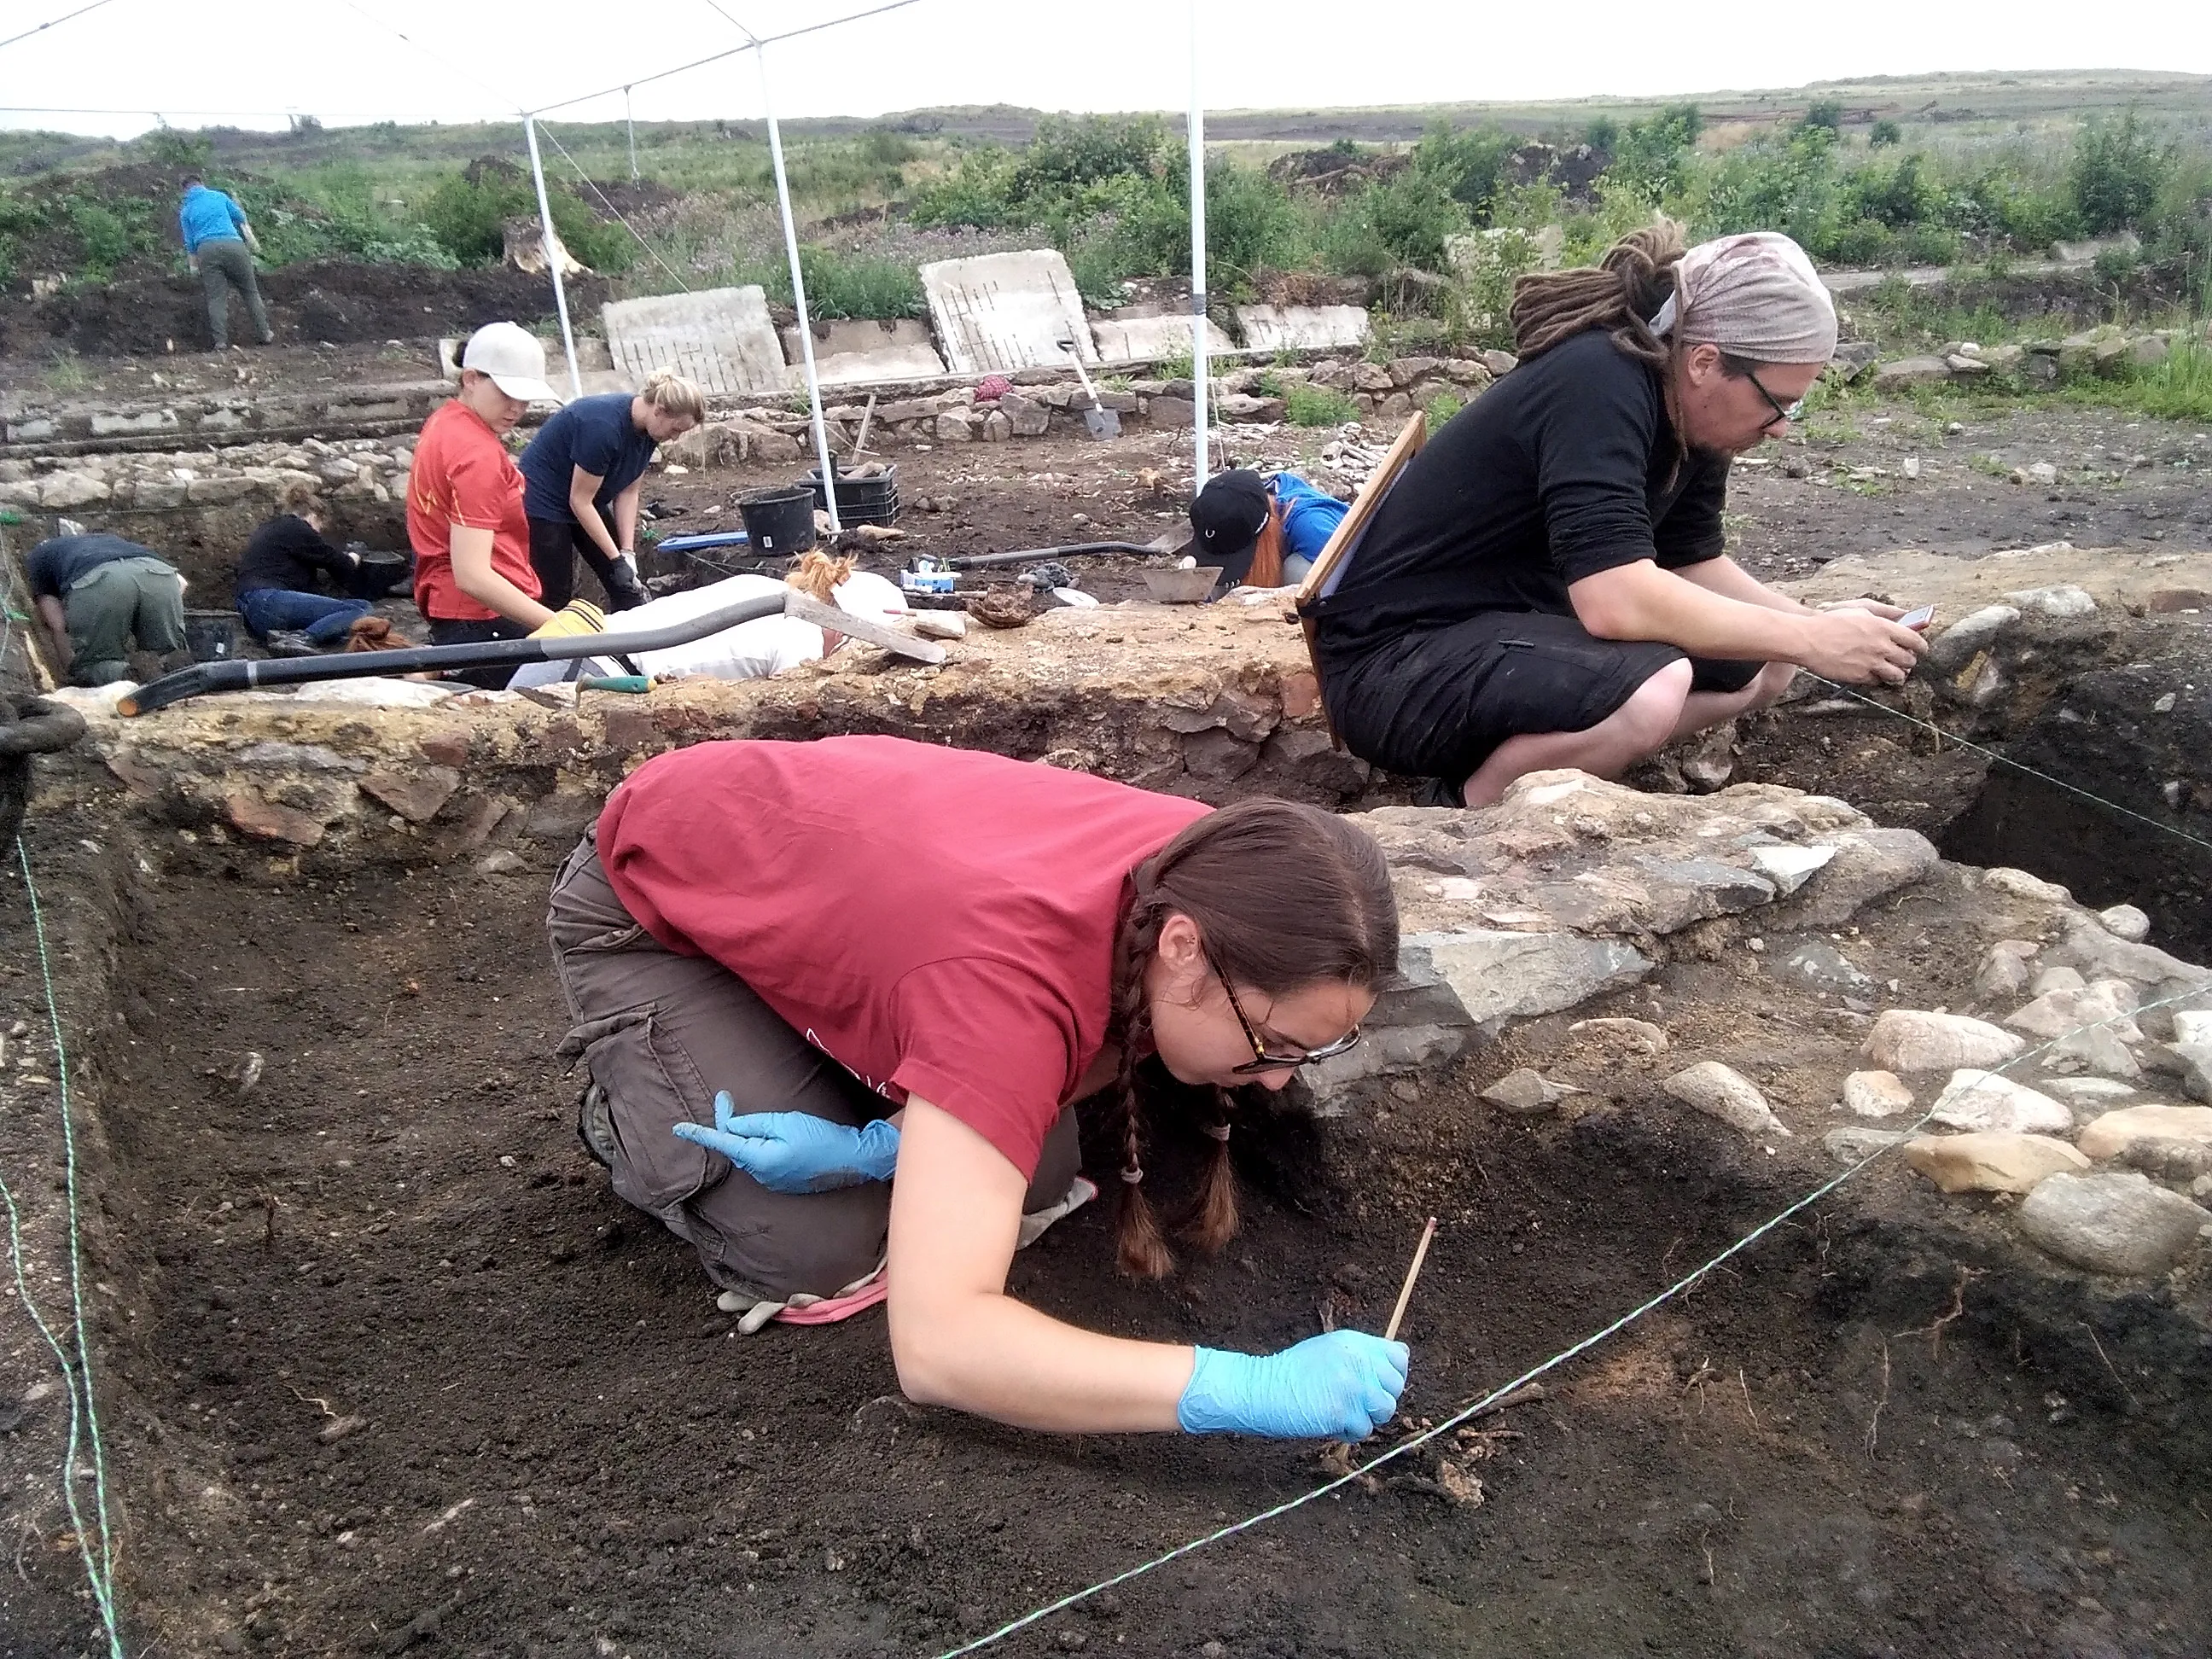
581	475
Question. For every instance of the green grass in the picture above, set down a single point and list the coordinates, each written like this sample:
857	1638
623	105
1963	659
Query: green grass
2180	388
1319	405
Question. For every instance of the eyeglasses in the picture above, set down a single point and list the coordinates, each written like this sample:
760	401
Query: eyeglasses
1261	1059
1791	413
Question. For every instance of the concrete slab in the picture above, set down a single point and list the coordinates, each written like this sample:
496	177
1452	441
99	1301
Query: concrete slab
861	350
1302	328
1002	312
1140	334
720	338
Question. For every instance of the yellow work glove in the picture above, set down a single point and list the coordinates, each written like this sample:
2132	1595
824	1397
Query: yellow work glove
577	617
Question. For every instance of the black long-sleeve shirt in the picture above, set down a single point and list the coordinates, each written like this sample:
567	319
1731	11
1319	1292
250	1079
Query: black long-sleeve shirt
286	552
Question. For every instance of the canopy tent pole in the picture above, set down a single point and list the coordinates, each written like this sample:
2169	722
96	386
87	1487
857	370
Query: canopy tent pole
549	245
1199	366
798	293
629	121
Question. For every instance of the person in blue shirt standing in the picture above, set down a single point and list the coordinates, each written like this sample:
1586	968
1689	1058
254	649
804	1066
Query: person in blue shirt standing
581	477
219	246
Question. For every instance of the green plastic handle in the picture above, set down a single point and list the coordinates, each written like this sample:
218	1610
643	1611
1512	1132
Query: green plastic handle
637	683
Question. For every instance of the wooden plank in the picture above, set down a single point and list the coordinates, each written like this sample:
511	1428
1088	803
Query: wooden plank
1416	433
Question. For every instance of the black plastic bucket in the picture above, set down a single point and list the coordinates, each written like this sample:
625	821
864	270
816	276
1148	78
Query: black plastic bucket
779	521
378	574
211	635
871	500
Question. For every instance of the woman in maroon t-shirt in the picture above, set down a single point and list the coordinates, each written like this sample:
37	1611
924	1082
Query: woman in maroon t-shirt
798	968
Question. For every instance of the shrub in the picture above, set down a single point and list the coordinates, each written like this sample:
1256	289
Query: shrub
1413	215
1441	408
1319	405
853	285
1825	113
468	219
1654	154
1467	165
2117	174
1884	131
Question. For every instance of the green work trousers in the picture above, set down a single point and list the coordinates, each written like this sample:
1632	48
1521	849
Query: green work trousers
225	265
112	604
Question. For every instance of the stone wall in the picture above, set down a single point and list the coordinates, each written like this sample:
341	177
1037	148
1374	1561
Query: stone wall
197	508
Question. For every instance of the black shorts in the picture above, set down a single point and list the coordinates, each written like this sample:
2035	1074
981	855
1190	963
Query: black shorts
471	630
1435	703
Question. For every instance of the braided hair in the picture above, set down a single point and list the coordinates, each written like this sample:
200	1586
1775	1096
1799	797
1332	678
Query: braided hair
1286	896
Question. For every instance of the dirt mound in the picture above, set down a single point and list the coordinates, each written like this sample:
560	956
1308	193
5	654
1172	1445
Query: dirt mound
335	301
1337	170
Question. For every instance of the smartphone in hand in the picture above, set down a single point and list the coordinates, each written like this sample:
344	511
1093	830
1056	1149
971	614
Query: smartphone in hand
1918	619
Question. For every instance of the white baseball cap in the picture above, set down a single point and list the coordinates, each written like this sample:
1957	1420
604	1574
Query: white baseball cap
511	354
867	595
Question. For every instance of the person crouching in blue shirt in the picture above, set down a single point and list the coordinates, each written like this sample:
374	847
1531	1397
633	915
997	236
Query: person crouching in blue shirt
581	477
1263	532
219	246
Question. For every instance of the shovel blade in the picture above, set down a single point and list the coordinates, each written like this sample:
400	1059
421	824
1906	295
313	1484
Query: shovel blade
1102	423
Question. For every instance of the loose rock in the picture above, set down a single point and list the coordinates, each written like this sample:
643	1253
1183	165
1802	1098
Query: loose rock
1856	1141
2125	921
2106	1004
1638	1036
1991	1162
1527	1091
1720	1093
1914	1040
2005	970
1983	1100
2111	1134
2117	1223
1876	1094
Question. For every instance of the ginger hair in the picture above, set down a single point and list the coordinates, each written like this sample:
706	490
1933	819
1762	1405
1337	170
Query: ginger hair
1286	896
817	574
1619	294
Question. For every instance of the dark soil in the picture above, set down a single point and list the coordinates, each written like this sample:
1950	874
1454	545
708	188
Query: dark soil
567	1452
338	300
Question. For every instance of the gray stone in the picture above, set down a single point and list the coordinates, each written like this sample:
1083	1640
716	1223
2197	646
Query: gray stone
2088	1091
2106	1004
2005	970
1991	1161
1721	1092
1986	1100
1914	1040
2125	921
1903	372
1855	1142
1527	1091
1868	864
2060	978
955	425
1637	1037
1499	975
499	862
1171	411
1876	1094
1817	964
1027	418
1791	867
2061	602
940	624
68	490
1978	630
2123	1224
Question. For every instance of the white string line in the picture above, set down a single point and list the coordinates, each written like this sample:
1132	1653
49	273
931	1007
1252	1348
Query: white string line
593	187
79	1377
716	58
1538	1371
2017	766
53	22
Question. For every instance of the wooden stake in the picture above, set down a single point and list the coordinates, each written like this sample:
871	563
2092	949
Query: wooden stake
1406	1290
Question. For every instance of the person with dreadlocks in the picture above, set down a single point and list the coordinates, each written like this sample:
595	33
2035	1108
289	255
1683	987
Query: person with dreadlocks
839	1000
1545	584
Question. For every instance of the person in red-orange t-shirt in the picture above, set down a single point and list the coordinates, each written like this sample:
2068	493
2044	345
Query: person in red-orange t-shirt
473	580
798	970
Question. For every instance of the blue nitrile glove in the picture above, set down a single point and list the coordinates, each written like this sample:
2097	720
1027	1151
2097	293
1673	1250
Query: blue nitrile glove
796	1152
1339	1386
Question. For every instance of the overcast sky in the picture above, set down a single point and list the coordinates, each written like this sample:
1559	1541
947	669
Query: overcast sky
249	62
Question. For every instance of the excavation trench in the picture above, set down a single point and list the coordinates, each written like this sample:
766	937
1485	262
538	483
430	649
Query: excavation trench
389	1369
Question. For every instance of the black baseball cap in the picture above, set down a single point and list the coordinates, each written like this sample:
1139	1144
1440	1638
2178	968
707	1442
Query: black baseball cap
1229	515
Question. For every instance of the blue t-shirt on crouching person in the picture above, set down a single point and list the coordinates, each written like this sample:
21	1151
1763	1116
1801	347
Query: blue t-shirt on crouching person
595	434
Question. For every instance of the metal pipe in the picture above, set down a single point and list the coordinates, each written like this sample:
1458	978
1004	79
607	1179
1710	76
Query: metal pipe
549	245
630	122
